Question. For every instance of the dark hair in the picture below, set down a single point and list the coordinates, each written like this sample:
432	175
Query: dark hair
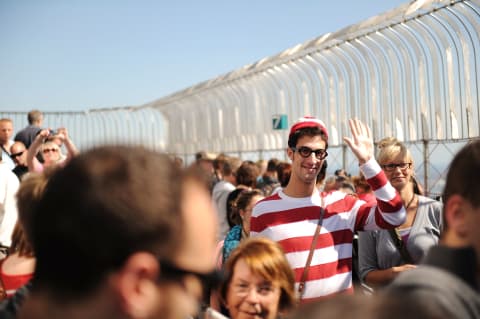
34	116
233	218
463	175
284	170
241	202
307	131
272	164
247	174
104	205
323	172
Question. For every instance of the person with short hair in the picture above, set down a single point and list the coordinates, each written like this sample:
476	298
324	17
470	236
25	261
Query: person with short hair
6	132
222	189
28	134
259	282
449	274
19	156
293	215
122	232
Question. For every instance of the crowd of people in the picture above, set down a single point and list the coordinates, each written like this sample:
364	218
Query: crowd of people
127	232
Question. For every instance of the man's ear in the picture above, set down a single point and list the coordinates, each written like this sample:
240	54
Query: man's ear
455	216
290	153
136	285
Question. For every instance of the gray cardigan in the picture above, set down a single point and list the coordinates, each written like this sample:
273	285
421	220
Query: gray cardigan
376	249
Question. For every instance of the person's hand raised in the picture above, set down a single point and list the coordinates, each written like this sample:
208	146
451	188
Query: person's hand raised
361	142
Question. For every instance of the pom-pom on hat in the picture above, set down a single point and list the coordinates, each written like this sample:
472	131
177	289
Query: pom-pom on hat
308	121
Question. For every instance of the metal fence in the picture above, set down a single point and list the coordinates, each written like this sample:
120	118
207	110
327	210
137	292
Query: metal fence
412	73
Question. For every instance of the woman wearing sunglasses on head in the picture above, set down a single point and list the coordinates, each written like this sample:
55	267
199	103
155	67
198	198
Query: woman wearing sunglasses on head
48	143
383	254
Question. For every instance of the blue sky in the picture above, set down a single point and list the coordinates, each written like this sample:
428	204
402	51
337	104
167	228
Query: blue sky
77	55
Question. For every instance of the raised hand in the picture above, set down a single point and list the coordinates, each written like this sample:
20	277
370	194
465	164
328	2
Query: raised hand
361	142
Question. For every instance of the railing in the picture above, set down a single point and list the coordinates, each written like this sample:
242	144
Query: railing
412	73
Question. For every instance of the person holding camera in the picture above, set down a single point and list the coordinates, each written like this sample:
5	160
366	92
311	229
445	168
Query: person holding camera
46	144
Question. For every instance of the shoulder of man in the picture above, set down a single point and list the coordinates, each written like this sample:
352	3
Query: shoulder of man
440	287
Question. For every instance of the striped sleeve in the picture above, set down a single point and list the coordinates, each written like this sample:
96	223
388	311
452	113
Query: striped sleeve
389	211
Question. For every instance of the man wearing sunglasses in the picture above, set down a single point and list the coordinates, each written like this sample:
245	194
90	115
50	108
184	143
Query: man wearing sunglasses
122	232
18	153
316	229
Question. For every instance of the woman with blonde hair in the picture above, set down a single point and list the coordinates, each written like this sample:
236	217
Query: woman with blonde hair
259	281
45	144
383	254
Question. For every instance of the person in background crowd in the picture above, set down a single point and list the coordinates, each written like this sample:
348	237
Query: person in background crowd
19	155
320	182
28	134
6	132
342	172
150	244
262	168
217	166
363	189
222	189
269	179
243	207
9	185
449	275
205	160
17	268
259	282
246	177
294	216
345	185
284	169
383	254
50	150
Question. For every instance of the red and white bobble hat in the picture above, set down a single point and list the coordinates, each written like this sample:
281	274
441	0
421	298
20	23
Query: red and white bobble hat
308	121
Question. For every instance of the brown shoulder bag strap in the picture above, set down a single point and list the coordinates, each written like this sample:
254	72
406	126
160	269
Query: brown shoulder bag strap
301	287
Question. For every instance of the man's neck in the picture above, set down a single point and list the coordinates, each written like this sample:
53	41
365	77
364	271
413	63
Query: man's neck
296	188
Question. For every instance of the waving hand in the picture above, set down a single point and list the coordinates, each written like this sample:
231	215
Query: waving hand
361	142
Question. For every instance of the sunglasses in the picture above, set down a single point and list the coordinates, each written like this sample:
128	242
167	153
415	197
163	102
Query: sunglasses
14	155
306	152
48	150
391	167
171	272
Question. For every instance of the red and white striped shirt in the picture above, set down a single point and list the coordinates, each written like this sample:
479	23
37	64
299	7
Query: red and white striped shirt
292	222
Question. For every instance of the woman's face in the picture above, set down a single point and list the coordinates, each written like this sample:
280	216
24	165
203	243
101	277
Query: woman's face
250	296
399	171
247	213
50	153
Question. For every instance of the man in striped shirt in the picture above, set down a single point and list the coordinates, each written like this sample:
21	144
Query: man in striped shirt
290	217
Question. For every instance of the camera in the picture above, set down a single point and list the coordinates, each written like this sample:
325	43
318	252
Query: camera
53	132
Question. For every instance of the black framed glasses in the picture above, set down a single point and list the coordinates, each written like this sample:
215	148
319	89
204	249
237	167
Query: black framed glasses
14	155
392	166
172	272
306	152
